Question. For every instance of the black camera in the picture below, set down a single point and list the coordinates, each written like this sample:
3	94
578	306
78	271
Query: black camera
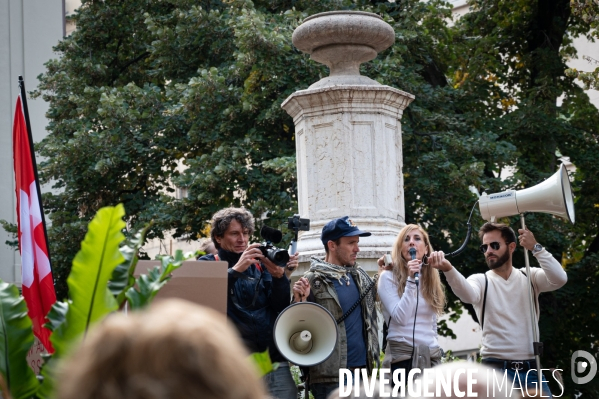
296	223
278	256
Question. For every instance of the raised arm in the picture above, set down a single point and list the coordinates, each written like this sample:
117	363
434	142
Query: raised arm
401	309
468	290
551	276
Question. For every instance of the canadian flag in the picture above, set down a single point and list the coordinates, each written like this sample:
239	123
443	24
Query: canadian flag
38	286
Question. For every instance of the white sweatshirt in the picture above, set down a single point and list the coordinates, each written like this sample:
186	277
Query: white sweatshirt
507	332
402	309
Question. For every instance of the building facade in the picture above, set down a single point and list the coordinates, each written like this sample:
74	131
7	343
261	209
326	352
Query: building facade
28	31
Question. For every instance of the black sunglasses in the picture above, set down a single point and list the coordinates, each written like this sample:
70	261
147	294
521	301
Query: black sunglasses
495	245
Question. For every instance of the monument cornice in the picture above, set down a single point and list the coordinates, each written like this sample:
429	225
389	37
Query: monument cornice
347	98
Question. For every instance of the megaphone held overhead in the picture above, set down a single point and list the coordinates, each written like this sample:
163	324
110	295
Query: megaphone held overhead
553	196
305	333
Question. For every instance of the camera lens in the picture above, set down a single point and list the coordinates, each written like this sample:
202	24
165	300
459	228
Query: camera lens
279	257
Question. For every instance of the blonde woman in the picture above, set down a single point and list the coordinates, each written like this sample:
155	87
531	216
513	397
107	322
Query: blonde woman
411	305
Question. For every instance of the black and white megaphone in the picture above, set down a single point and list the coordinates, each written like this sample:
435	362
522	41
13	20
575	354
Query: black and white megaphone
553	196
305	333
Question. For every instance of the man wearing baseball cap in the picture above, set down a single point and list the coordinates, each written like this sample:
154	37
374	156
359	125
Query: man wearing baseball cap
341	286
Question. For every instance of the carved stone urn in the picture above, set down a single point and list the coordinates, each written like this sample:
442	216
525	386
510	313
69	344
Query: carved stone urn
342	40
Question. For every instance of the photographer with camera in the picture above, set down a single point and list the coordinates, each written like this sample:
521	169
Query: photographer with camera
258	290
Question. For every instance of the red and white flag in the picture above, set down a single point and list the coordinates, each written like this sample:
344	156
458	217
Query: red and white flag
38	286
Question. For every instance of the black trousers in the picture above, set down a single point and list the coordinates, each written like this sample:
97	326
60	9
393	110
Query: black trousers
404	364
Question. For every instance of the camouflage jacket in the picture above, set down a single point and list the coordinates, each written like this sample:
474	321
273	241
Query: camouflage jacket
322	292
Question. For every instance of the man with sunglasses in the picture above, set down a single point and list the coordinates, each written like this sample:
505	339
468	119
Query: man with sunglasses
501	299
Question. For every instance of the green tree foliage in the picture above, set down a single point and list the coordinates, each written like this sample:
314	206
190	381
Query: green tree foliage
588	12
209	99
151	93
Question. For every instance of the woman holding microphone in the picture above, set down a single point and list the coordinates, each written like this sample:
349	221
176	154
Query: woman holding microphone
412	298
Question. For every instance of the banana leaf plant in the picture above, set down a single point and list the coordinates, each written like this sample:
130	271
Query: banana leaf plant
90	299
123	277
16	338
148	285
101	280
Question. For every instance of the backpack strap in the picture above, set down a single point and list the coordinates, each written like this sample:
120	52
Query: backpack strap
386	325
482	319
533	289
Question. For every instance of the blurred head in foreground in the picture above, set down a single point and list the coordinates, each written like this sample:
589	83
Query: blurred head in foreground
175	349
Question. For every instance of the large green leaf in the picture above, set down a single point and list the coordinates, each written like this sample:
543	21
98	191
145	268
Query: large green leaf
123	276
263	363
16	338
88	282
149	285
48	373
57	315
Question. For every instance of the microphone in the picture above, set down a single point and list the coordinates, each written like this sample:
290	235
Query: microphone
412	252
271	234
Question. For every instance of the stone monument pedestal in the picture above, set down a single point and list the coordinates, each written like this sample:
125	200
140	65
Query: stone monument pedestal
348	136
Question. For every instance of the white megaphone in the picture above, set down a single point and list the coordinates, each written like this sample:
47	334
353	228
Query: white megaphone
305	333
553	196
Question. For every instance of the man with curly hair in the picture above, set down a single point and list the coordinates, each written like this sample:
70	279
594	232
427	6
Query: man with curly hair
258	290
